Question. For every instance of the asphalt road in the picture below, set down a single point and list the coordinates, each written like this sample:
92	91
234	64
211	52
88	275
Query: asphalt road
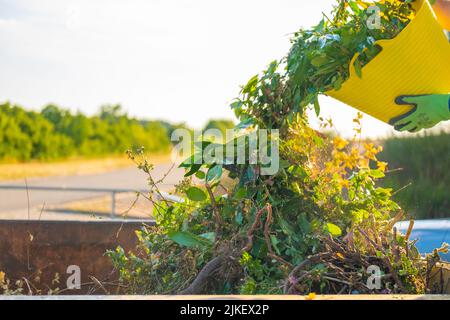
18	204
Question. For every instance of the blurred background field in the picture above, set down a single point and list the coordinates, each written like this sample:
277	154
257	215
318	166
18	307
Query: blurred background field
424	179
19	170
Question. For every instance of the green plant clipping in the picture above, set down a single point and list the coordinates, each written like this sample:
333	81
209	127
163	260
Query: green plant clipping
319	61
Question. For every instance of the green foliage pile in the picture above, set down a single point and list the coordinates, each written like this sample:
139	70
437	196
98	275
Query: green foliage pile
420	172
55	133
317	224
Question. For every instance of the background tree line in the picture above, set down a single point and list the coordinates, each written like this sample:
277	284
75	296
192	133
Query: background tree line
56	133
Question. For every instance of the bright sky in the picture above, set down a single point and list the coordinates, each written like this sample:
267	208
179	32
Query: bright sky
177	60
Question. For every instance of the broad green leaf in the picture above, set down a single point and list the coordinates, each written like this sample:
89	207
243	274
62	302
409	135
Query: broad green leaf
377	174
200	174
317	106
196	194
333	229
251	85
188	239
210	236
275	242
214	173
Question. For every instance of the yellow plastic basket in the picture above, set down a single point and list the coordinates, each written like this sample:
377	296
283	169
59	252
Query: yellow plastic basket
415	62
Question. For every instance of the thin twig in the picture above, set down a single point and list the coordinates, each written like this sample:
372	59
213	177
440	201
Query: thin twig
401	189
410	228
42	210
251	231
267	237
30	292
125	213
216	211
99	284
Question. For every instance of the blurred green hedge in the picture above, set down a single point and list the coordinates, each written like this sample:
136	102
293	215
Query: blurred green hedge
56	133
220	124
424	179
